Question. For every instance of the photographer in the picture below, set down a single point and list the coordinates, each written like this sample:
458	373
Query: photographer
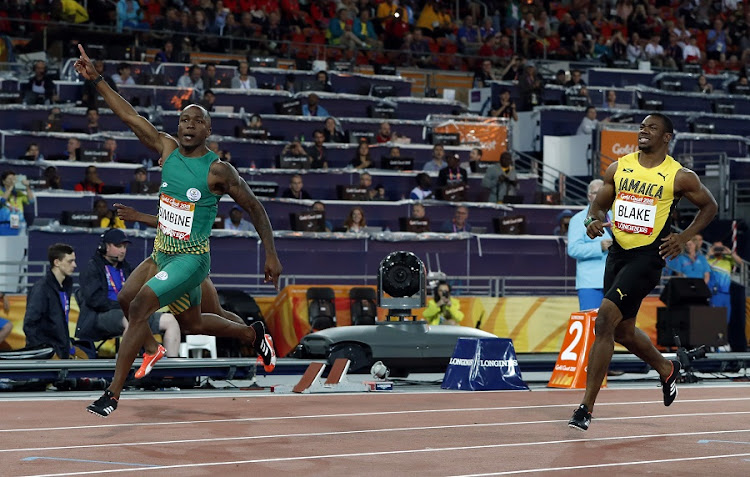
443	310
506	109
722	261
14	197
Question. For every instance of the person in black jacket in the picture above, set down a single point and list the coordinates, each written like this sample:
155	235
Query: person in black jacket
40	88
101	316
48	303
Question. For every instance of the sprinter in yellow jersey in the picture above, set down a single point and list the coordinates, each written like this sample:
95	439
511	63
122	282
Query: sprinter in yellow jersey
193	181
640	189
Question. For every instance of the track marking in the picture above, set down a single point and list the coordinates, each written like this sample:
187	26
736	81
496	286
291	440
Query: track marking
435	450
706	441
358	431
356	414
132	464
597	466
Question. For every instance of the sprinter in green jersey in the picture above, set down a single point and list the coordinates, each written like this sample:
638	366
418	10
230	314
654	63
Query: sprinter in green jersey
193	181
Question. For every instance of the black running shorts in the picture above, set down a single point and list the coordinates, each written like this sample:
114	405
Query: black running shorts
629	277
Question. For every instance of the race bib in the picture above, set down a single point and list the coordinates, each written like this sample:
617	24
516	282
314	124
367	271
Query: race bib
175	217
634	213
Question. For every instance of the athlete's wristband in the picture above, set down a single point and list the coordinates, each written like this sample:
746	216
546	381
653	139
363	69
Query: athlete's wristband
97	80
588	221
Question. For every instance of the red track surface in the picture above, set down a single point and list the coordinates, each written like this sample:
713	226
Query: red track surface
436	434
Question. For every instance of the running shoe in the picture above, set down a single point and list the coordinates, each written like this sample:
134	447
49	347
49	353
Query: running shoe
669	387
104	406
149	360
263	345
581	418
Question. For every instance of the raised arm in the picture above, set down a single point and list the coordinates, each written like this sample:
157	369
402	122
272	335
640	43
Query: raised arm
224	179
162	143
602	203
687	184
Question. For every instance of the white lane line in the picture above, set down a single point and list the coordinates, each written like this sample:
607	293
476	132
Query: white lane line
359	414
412	451
609	464
152	443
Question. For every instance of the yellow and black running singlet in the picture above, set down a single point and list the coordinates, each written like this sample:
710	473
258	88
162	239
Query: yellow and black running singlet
644	198
187	208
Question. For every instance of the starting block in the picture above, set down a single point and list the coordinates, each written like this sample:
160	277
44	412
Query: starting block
337	381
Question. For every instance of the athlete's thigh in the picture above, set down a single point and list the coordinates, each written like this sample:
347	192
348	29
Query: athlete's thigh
142	273
179	276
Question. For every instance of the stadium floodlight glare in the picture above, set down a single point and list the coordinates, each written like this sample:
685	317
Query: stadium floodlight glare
401	283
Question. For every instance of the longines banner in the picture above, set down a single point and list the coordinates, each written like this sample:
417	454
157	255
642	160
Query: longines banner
615	143
492	137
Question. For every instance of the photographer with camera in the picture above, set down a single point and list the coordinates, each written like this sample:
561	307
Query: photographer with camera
442	309
14	196
722	261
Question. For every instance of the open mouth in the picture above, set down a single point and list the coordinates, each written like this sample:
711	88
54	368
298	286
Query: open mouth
188	137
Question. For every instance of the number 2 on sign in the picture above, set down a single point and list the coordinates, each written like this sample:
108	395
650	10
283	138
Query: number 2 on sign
576	329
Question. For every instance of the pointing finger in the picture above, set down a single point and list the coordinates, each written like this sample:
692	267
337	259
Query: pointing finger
83	52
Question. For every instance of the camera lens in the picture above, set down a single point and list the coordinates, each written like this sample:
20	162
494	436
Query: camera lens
400	274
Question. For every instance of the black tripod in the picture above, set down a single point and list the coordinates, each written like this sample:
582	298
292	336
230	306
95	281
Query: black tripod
686	358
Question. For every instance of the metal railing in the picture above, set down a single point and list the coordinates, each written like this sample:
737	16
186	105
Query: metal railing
573	191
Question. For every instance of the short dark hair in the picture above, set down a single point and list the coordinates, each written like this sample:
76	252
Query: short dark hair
58	251
665	121
5	175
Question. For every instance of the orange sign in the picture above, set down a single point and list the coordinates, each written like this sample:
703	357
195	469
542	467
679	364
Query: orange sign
615	144
572	362
492	138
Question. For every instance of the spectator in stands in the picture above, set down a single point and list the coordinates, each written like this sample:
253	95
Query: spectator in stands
690	52
192	79
14	198
475	157
110	145
365	30
340	32
68	11
295	189
484	76
210	79
73	149
355	222
563	223
384	133
394	151
634	50
691	263
32	153
712	67
514	69
654	53
589	122
459	221
438	159
560	78
469	39
362	158
325	82
166	54
48	304
452	174
100	314
54	121
576	80
91	182
506	109
419	49
223	154
530	89
582	48
313	108
423	190
319	206
129	15
122	77
52	179
500	179
703	86
208	100
434	20
92	118
317	151
295	148
140	183
6	327
717	40
332	131
235	221
379	193
722	261
90	96
40	89
365	182
243	79
442	309
419	212
674	51
108	218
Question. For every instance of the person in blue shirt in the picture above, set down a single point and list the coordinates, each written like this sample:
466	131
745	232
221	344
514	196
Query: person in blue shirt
312	108
590	255
691	263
